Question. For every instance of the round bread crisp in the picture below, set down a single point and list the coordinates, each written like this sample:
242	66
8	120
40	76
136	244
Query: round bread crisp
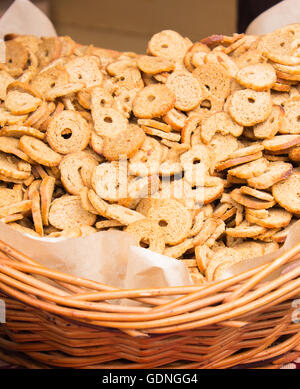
207	194
146	161
287	193
154	65
36	213
291	122
245	231
42	113
281	142
16	57
67	212
195	162
175	119
260	76
224	256
63	90
125	144
85	69
275	172
129	79
5	80
250	169
244	250
153	101
102	97
214	79
238	161
276	218
39	151
173	218
192	126
186	88
222	146
219	122
278	45
250	57
96	143
247	150
197	51
294	154
76	171
48	50
8	118
148	234
68	132
271	125
46	191
256	193
138	189
167	44
120	65
107	181
10	145
248	107
209	104
21	99
155	124
124	100
248	200
9	197
50	78
107	121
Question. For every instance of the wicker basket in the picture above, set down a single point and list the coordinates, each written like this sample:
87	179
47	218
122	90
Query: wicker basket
74	323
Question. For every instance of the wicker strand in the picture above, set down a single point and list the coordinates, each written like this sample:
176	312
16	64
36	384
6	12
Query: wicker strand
258	277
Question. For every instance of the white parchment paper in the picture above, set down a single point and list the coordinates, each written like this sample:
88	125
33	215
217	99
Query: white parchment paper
281	14
22	17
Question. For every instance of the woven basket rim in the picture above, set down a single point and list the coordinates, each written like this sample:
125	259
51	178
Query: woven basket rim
194	307
235	312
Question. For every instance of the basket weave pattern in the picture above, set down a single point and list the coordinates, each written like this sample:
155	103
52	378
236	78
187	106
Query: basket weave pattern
76	323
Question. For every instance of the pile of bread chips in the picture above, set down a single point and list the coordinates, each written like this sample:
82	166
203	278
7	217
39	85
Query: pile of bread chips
192	148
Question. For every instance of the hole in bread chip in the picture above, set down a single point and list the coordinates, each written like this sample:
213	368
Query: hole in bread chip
207	87
298	118
52	85
144	243
205	104
66	133
196	161
282	44
108	119
162	223
251	100
151	97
